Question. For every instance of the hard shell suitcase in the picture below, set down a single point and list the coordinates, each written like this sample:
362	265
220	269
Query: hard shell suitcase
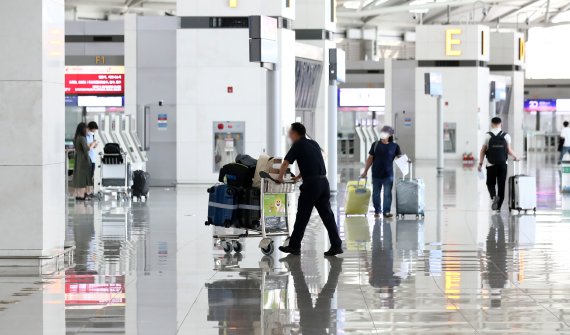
249	208
222	206
236	174
410	195
140	185
522	191
357	197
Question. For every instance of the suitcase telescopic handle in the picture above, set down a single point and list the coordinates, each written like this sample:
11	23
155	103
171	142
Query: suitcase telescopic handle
365	181
516	163
410	166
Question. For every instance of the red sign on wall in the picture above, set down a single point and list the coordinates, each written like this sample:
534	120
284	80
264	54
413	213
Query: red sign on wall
94	84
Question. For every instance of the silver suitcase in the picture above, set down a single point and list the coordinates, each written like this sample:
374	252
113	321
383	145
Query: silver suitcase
410	196
522	191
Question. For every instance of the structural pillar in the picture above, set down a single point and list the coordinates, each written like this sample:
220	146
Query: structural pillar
508	59
315	25
32	158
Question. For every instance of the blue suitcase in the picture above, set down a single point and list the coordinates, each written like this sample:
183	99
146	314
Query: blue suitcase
222	206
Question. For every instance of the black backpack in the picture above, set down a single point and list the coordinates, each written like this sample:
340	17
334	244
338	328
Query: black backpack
140	186
497	149
112	154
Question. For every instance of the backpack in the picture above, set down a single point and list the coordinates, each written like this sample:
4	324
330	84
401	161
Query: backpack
112	154
497	149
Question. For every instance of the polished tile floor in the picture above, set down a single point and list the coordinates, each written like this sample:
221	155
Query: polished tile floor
152	268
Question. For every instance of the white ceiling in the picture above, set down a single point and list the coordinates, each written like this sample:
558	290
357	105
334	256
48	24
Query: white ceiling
385	14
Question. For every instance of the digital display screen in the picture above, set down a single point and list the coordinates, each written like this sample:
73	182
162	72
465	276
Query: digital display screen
95	80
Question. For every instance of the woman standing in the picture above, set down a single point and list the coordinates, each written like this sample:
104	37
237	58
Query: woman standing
82	172
381	159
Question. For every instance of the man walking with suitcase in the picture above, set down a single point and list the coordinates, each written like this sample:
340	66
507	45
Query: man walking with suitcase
381	158
496	148
315	191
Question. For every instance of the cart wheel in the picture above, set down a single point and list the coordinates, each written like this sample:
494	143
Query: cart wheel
525	211
269	250
417	217
238	247
227	246
267	261
534	210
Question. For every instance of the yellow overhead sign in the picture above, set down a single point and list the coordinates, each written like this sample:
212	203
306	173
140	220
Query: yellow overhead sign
521	49
451	40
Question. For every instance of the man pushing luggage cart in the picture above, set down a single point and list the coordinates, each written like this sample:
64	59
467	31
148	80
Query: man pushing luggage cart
315	191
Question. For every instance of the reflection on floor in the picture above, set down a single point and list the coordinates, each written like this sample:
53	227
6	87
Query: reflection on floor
152	268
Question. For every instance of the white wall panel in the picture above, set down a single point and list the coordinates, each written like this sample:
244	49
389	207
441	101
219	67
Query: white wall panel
208	62
466	92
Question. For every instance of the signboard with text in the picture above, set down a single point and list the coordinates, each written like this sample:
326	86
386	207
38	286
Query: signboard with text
91	84
540	105
95	80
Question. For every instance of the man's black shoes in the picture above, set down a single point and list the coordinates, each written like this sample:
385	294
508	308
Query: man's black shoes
289	250
333	252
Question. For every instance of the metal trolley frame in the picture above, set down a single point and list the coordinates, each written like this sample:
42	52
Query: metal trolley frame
269	185
114	177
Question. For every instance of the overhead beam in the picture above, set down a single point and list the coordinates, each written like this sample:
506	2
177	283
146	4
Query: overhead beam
513	11
407	7
561	10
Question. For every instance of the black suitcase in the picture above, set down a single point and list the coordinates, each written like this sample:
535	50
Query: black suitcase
140	186
236	174
249	208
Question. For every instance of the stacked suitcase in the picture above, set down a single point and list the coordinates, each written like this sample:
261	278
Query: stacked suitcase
235	203
410	196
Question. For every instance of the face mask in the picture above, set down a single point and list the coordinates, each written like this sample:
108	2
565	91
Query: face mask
384	136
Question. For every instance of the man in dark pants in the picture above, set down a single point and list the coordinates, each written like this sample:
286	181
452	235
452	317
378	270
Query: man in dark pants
496	149
315	191
315	318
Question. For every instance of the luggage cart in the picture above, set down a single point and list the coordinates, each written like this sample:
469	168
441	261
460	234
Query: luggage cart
114	169
274	219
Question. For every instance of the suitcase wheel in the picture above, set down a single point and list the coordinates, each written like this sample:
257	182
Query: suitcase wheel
237	246
268	250
227	245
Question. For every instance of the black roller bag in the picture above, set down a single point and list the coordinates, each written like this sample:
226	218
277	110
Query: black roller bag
140	186
236	174
249	208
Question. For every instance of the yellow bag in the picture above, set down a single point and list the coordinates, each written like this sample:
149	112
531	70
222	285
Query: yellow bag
357	197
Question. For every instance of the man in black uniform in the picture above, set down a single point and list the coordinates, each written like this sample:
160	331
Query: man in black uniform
315	191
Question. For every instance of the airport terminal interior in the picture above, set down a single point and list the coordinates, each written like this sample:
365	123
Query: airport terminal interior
158	167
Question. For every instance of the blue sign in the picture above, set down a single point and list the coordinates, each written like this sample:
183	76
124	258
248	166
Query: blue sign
540	105
71	100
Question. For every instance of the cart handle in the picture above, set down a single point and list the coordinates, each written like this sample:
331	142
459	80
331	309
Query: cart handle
266	175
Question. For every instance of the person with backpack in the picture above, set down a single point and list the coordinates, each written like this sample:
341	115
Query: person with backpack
381	159
496	148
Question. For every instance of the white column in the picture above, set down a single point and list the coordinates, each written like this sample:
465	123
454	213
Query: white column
316	14
32	183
